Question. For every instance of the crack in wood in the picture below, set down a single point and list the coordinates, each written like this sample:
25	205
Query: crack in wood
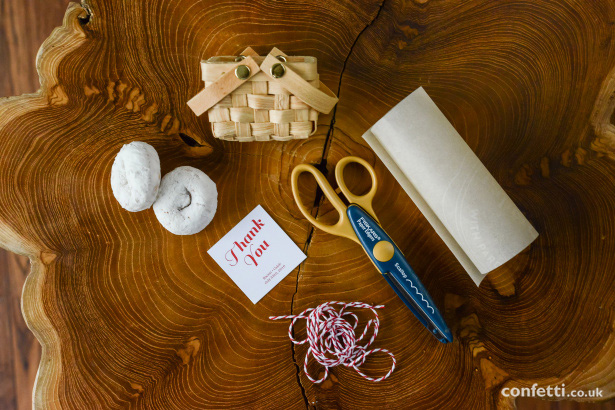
322	166
328	140
292	302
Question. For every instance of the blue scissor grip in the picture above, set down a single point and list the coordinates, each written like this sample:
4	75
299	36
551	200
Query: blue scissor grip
397	272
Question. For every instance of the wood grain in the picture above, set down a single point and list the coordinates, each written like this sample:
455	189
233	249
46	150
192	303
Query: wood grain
131	316
528	403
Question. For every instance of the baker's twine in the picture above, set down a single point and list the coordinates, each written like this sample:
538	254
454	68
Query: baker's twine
333	340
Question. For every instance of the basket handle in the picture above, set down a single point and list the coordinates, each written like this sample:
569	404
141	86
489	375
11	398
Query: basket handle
249	52
223	86
322	99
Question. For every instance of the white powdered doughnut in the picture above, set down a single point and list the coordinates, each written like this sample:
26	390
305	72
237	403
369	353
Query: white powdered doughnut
187	201
135	176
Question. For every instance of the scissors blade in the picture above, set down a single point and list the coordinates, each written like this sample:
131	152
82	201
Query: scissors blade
389	260
443	334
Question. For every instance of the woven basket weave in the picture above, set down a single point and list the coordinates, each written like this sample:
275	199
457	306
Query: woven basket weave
262	107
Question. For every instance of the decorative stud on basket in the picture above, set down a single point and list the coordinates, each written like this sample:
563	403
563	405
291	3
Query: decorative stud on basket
255	98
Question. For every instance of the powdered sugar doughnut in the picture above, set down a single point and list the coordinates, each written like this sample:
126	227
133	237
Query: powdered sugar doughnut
187	201
135	176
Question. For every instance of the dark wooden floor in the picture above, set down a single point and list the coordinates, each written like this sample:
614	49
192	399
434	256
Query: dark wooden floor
24	25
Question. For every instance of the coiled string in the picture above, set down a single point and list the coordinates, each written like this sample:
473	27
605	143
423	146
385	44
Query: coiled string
333	340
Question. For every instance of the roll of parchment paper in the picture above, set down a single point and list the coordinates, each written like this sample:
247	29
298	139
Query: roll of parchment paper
465	205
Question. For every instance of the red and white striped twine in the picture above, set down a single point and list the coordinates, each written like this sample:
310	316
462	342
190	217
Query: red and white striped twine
333	340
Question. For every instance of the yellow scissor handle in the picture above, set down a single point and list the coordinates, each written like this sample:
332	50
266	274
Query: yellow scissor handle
342	227
364	201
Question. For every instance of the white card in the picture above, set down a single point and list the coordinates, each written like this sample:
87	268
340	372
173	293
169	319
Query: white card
257	254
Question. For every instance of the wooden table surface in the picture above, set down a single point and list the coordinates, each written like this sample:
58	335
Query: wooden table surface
528	88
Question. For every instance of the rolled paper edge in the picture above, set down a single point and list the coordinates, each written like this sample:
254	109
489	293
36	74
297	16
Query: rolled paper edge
424	207
476	272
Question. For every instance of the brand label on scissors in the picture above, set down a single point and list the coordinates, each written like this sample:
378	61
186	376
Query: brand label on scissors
369	232
257	254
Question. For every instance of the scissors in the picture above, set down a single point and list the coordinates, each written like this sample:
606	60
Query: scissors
359	223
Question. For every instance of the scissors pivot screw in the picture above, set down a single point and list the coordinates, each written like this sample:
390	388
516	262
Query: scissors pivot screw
384	251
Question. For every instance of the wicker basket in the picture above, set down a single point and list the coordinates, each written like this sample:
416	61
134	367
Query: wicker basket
254	98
